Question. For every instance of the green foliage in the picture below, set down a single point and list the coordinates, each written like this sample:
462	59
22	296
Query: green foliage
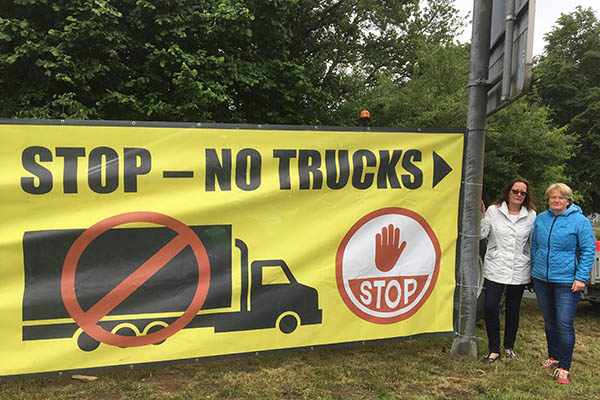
567	79
152	60
361	50
521	142
267	61
435	97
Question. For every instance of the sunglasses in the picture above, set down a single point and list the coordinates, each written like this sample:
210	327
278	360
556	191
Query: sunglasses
518	192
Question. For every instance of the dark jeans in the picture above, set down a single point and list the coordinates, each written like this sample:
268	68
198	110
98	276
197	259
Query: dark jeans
493	294
558	305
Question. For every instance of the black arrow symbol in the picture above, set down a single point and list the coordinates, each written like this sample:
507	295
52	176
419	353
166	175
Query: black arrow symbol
440	169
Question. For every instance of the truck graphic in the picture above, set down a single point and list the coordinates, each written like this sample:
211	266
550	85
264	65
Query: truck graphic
115	254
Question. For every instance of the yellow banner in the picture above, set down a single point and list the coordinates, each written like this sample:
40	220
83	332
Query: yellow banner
126	245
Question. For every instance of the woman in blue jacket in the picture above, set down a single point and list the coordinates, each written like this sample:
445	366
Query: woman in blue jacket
563	251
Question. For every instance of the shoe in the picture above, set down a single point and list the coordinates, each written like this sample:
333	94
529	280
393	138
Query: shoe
489	360
550	363
562	376
509	353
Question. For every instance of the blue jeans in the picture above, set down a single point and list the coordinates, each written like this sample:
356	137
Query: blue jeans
493	295
558	304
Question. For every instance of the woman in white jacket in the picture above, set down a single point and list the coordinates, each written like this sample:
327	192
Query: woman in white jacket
507	225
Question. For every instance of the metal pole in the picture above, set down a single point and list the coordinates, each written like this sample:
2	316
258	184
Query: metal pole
508	45
466	343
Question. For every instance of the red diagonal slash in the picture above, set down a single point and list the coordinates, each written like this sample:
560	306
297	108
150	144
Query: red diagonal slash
88	320
135	280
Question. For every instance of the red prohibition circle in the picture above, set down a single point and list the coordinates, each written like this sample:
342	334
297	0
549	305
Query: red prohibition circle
88	320
340	257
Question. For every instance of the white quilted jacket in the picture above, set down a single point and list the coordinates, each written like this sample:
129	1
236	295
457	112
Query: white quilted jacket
508	255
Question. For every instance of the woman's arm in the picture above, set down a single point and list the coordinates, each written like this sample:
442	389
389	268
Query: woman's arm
534	245
486	223
587	250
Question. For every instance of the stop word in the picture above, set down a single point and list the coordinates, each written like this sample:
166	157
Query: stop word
102	172
389	293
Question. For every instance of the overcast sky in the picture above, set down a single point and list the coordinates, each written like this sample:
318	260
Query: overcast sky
546	14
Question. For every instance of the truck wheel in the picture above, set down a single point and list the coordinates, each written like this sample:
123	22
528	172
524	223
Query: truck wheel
125	331
287	323
155	327
595	305
86	343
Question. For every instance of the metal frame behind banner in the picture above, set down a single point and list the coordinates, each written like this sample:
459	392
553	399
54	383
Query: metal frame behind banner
203	125
511	49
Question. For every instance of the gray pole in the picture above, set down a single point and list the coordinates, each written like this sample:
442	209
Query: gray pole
508	48
466	343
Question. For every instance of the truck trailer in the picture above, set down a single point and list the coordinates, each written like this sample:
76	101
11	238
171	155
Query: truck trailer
116	254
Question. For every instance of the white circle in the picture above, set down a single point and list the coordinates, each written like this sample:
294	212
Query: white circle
417	259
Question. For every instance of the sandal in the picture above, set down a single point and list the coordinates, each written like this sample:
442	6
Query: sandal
509	353
489	360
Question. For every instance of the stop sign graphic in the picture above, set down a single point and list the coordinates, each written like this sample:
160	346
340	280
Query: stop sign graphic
387	265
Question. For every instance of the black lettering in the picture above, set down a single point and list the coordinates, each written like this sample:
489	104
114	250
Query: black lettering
131	169
248	179
284	167
387	169
417	175
107	157
309	162
28	159
215	170
70	154
357	175
337	179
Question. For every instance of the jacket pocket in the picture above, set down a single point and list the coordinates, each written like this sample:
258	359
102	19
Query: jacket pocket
492	252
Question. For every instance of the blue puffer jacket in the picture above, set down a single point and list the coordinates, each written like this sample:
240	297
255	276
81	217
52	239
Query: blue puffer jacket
553	249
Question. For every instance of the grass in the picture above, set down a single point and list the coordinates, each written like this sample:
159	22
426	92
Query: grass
419	369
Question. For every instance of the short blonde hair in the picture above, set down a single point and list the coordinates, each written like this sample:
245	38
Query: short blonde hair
563	189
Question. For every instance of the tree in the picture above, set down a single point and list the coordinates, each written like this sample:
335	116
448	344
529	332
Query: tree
369	45
254	61
435	95
567	78
522	142
187	60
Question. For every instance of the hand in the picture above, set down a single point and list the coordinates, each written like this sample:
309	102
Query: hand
577	286
482	209
387	248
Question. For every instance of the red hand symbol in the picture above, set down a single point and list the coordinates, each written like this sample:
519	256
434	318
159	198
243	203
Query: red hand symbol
387	248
